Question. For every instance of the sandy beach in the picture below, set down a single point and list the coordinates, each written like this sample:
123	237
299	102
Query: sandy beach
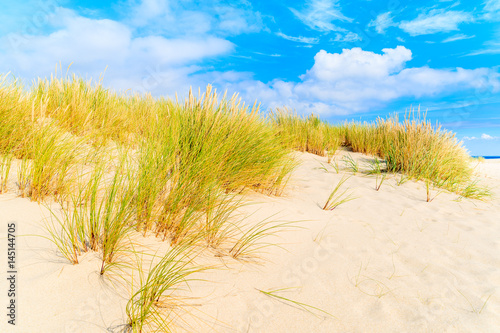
387	261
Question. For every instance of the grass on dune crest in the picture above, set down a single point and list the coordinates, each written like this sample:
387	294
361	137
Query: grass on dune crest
119	163
53	154
418	149
84	108
124	165
210	145
15	117
413	147
308	134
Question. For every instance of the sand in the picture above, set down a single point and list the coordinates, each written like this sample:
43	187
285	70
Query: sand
387	261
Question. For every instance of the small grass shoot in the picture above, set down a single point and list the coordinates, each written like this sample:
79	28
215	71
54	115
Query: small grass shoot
5	165
337	198
308	308
350	163
151	306
250	244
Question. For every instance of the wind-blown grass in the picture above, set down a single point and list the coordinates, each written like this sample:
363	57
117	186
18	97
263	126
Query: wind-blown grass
5	165
209	145
152	304
84	108
416	148
15	109
99	217
306	134
216	226
300	305
52	154
376	168
184	152
336	197
350	163
250	243
115	213
413	146
23	177
177	169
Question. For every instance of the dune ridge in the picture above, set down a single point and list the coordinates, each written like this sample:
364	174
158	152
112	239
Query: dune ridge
139	214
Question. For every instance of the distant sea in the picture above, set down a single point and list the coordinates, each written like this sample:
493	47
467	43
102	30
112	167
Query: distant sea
488	157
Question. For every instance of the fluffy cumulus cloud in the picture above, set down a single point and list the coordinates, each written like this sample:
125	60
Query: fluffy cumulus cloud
356	63
434	21
93	44
357	80
485	136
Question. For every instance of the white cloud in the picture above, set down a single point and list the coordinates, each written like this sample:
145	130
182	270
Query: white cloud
492	10
235	21
354	63
485	51
357	80
91	45
349	37
300	39
319	15
485	136
267	54
382	22
177	51
457	37
183	17
150	9
434	21
492	5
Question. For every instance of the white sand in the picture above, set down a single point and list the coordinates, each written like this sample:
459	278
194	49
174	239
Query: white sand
386	262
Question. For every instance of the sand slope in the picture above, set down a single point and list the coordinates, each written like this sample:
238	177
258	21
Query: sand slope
386	262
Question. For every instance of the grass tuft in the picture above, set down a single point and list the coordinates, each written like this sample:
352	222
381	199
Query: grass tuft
350	163
5	165
250	243
303	306
153	304
337	198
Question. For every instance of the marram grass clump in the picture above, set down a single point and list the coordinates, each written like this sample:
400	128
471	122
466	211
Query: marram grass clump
308	134
413	147
417	149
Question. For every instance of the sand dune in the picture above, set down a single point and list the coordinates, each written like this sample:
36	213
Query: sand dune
388	261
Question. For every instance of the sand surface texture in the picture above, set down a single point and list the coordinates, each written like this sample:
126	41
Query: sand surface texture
387	261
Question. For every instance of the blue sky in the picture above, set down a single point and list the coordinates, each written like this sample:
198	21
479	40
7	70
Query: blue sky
339	59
